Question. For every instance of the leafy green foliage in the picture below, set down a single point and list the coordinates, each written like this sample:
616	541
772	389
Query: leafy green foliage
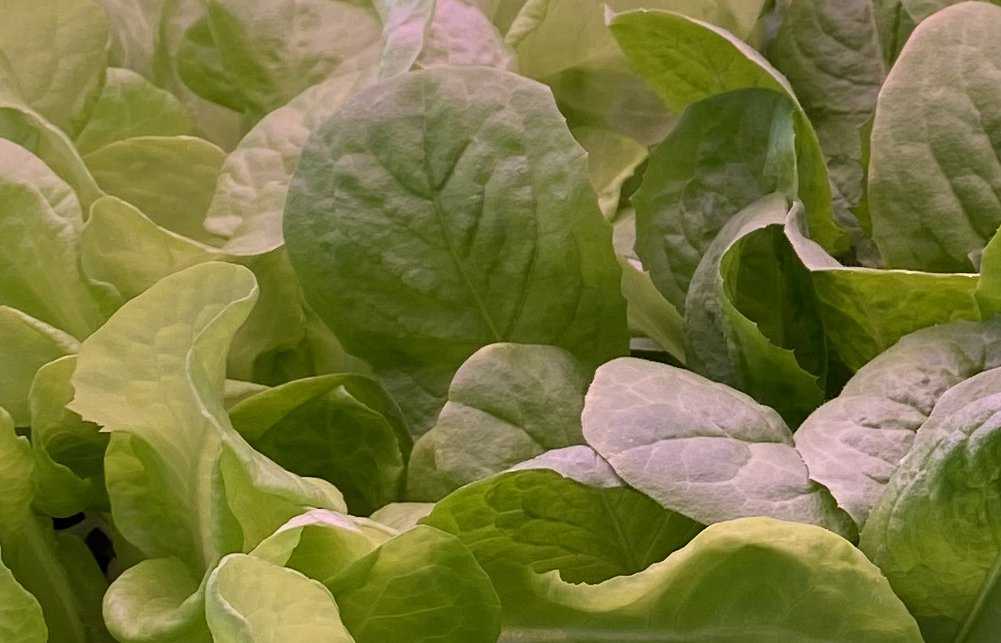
459	321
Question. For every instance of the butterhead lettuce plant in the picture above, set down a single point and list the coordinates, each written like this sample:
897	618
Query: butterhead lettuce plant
475	321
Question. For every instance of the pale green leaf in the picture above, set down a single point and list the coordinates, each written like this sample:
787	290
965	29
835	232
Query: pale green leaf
59	51
171	179
26	344
700	448
854	443
249	600
506	403
130	106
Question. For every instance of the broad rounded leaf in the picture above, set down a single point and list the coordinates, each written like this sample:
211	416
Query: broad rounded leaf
854	443
935	173
471	175
700	448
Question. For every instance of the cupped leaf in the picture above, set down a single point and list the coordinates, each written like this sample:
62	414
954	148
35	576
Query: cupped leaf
751	320
321	544
40	268
69	453
933	532
167	597
342	428
865	310
422	586
249	599
754	579
171	179
26	345
472	175
130	106
121	246
854	443
725	153
32	552
662	45
185	488
506	403
58	51
700	448
935	173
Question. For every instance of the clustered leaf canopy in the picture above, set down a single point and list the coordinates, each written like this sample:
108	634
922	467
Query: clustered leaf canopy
464	321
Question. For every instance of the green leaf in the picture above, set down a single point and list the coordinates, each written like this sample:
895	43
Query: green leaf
217	123
31	550
700	448
506	403
865	310
341	428
274	51
69	453
933	532
830	53
25	127
121	246
661	46
566	44
248	599
854	443
750	317
131	106
167	596
420	34
21	618
185	488
419	587
754	580
437	169
402	516
249	199
611	160
921	9
26	344
170	179
58	50
540	520
39	270
133	26
725	153
649	314
934	167
321	544
200	66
